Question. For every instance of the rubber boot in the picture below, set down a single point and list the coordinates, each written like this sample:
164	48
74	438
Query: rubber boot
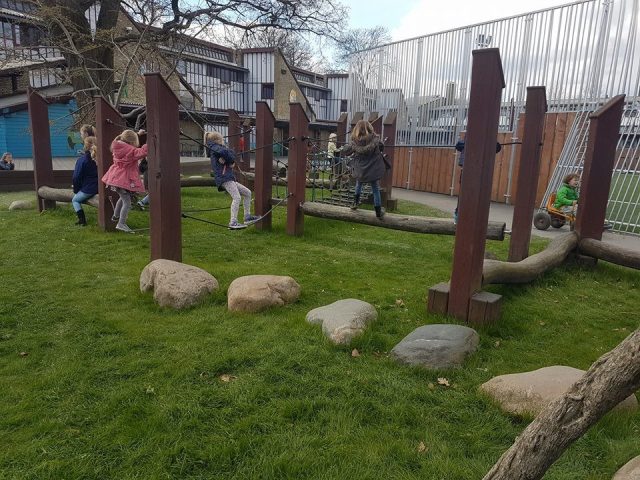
356	202
82	220
379	212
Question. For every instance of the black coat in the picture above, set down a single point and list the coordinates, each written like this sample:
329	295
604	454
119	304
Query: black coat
367	162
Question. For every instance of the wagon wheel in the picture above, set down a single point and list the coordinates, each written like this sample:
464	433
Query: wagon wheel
557	222
542	220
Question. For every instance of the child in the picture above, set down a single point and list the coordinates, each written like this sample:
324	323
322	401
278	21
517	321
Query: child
6	163
123	176
143	168
87	131
222	163
85	178
368	162
567	196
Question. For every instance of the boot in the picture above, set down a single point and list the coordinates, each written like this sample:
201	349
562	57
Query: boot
356	202
379	212
82	220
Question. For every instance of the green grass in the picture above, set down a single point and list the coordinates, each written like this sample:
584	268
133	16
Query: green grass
115	387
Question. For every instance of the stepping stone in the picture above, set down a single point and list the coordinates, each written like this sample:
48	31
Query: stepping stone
531	392
437	346
255	293
631	471
343	320
176	284
21	205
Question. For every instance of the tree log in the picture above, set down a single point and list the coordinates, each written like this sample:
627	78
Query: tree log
611	379
408	223
209	181
197	182
63	195
610	253
527	270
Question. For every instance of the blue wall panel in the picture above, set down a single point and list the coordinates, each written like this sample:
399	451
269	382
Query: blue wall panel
16	137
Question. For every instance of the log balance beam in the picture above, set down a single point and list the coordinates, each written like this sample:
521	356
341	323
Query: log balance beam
63	195
407	223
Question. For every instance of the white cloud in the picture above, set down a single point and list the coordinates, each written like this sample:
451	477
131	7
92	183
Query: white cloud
430	16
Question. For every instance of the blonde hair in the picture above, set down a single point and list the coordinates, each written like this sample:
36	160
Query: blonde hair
94	152
362	130
215	137
90	143
128	136
87	131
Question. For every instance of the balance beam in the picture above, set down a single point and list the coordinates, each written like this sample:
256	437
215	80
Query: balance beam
610	253
407	223
63	195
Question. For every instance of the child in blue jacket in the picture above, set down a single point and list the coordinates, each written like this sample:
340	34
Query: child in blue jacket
222	162
85	178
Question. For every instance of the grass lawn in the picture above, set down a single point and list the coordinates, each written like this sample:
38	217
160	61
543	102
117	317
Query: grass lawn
98	382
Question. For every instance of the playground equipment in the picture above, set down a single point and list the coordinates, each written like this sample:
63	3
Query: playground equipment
551	216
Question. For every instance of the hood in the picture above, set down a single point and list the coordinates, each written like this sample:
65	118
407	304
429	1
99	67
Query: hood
121	149
366	145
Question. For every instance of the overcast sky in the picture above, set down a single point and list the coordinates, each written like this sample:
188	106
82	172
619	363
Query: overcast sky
412	18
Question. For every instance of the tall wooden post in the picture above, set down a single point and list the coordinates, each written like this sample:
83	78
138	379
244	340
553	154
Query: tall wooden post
299	130
41	143
527	183
246	136
487	82
109	124
604	131
341	131
357	116
387	181
163	138
265	123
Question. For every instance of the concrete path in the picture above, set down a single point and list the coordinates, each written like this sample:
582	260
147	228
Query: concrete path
499	212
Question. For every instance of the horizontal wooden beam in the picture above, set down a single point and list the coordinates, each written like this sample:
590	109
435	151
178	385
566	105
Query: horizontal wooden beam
527	270
610	253
407	223
63	195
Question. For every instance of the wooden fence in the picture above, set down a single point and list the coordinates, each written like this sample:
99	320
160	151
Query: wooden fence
434	169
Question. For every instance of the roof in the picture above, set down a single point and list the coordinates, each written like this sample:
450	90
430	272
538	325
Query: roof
47	93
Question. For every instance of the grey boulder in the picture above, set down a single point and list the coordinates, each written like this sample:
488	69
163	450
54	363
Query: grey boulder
343	320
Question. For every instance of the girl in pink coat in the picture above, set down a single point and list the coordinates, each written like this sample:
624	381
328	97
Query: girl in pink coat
123	176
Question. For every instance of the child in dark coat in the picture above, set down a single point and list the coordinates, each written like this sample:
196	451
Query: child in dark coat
85	178
222	162
367	163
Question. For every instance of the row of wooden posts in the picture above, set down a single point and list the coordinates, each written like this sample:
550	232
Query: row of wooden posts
462	297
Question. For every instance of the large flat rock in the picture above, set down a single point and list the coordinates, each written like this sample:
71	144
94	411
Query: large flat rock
254	293
531	392
343	320
631	471
437	346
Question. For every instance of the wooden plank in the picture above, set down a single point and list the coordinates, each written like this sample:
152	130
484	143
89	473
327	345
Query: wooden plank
518	153
438	299
299	130
545	157
41	143
265	122
431	170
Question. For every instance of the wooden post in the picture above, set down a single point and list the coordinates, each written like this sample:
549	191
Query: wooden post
299	131
357	116
387	181
487	82
41	143
265	123
109	124
373	117
529	170
246	136
163	138
341	130
604	131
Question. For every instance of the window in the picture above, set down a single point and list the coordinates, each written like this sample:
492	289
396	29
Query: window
30	36
267	91
343	105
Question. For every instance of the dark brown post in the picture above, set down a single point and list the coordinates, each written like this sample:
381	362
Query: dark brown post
246	156
387	180
296	179
376	123
373	116
487	82
265	123
527	182
342	129
41	143
357	116
163	138
109	124
604	131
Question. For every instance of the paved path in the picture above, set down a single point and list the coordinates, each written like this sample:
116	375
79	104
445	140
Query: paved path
499	212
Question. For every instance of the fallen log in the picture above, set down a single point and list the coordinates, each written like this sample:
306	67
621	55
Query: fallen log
197	182
279	181
63	195
611	379
408	223
527	270
610	253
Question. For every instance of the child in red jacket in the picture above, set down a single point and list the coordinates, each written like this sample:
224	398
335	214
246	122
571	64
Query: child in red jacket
123	176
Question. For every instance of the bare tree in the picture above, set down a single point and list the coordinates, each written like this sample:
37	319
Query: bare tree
350	43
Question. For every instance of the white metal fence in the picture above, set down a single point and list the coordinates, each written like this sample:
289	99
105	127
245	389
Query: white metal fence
583	53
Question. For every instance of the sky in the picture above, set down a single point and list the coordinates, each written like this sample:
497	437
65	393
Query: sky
413	18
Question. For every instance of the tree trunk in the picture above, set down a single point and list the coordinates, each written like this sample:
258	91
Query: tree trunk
408	223
63	195
611	379
531	267
610	253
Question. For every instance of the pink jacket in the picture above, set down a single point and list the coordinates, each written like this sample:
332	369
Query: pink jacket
124	171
